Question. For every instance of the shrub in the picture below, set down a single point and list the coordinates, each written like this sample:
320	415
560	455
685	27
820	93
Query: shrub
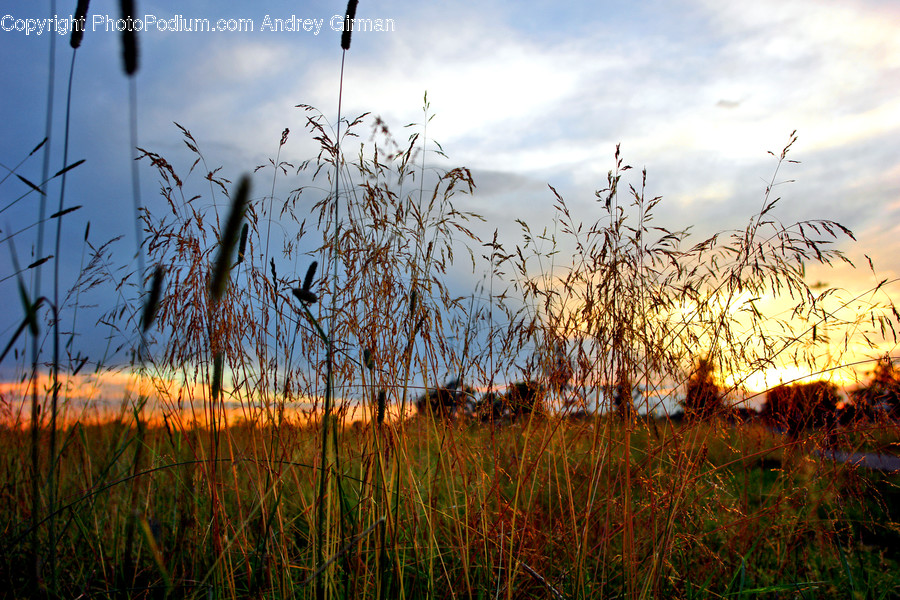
489	407
623	397
703	398
802	405
524	398
882	394
444	402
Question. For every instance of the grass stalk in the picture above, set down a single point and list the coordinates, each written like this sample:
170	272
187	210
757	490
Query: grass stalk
35	349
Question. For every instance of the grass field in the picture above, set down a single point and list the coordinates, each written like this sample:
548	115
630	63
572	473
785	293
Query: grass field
542	508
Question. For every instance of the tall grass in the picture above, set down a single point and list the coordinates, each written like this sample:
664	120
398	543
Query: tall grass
229	502
268	455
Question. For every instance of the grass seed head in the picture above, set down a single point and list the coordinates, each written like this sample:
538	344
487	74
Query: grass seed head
348	24
382	403
153	299
80	16
218	364
229	239
304	294
243	245
129	38
310	273
30	309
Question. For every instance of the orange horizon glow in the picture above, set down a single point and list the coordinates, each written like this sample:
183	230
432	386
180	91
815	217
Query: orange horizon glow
103	397
98	398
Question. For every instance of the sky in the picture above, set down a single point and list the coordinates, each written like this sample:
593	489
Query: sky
525	95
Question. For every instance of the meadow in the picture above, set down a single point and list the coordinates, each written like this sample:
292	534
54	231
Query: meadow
323	407
545	508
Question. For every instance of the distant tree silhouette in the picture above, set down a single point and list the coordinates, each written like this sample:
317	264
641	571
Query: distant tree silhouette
521	399
524	397
490	407
622	397
559	370
882	393
799	406
444	402
703	397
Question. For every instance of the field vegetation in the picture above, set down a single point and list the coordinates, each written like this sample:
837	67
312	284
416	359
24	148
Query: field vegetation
326	408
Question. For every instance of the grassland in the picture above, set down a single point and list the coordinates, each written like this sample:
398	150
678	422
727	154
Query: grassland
536	509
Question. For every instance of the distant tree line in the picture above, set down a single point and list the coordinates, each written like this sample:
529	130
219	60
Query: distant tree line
800	406
452	400
791	408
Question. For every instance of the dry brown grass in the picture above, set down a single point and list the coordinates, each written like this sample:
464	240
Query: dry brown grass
617	504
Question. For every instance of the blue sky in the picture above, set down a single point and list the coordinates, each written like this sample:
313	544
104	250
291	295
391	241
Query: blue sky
696	91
